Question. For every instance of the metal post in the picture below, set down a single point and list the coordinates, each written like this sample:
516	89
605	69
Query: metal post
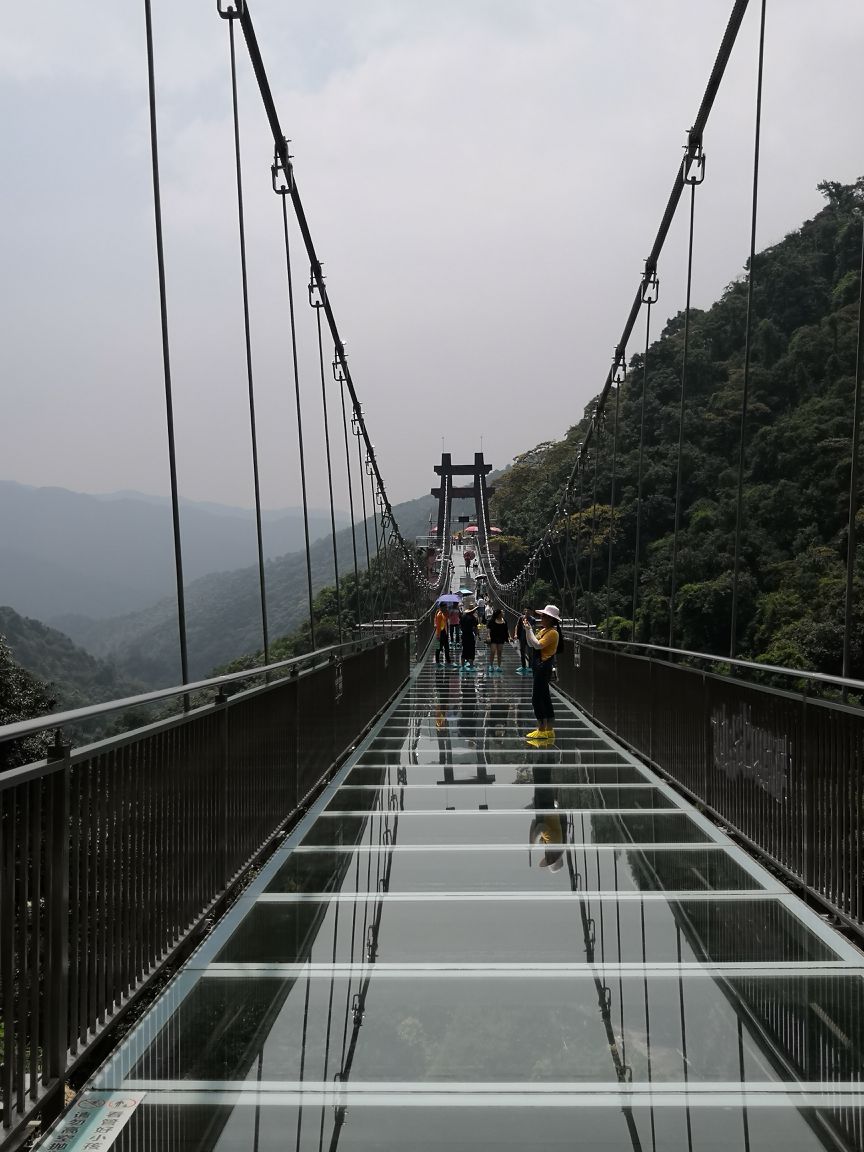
851	535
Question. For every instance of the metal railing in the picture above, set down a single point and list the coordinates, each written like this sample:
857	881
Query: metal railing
114	854
783	769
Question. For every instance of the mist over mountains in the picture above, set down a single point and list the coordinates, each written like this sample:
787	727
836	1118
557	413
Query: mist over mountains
100	569
65	552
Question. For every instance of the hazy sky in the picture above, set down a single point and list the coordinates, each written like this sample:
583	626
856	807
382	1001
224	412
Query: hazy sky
483	179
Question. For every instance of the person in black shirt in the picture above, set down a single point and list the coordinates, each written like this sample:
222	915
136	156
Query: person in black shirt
469	634
524	668
498	634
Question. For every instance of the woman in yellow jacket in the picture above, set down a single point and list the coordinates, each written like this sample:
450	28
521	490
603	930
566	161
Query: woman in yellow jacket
544	645
442	625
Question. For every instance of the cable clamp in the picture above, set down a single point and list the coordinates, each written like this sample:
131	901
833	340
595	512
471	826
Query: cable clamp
338	374
650	286
231	9
618	366
283	180
316	286
357	1013
693	166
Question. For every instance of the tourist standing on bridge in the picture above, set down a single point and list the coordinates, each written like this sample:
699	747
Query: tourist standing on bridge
498	633
544	644
469	634
441	628
524	668
455	622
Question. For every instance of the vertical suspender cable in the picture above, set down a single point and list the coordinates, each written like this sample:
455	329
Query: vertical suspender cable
377	598
851	535
570	585
341	380
369	600
612	508
672	587
733	638
597	450
245	285
577	578
317	307
649	296
299	421
166	358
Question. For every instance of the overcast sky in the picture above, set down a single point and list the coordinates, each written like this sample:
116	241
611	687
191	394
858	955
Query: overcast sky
483	179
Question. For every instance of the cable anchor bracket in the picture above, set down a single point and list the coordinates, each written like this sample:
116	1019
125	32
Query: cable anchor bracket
650	286
283	180
693	165
317	290
231	9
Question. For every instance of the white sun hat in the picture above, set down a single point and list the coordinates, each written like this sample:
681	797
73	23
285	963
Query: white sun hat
550	610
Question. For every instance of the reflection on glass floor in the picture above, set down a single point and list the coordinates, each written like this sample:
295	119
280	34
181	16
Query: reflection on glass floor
470	944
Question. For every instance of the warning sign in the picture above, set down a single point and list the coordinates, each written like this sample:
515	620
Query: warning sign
93	1123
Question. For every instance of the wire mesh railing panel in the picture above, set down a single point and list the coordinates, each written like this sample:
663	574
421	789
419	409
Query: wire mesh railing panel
784	770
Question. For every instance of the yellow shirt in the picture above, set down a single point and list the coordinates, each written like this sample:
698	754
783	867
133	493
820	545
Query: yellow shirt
548	638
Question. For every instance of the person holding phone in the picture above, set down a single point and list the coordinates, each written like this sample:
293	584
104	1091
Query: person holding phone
543	644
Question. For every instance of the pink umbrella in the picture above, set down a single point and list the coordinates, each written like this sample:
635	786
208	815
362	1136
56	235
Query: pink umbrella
472	528
495	531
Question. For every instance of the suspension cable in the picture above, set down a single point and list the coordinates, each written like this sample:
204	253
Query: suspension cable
650	295
692	179
248	338
851	535
694	152
369	600
612	504
597	453
315	301
166	356
378	598
745	390
300	447
341	381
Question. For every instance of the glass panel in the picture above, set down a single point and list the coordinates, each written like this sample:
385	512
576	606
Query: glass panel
524	932
496	828
667	1028
242	1127
459	770
493	794
464	748
538	868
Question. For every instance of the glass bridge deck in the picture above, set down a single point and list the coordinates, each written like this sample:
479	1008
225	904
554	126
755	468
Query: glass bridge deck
469	943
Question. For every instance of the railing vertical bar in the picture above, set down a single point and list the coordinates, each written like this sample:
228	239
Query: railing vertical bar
8	952
39	842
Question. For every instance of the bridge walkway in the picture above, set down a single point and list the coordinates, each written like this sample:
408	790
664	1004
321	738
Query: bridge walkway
469	943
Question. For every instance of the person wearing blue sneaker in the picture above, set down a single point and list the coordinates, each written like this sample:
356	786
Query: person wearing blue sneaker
469	633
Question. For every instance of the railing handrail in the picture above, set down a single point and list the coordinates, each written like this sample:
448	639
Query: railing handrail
751	665
38	724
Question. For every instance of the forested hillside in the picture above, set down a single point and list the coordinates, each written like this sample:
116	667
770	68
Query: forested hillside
72	676
799	426
223	610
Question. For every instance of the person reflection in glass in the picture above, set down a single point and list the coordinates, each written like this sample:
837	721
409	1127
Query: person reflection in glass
548	828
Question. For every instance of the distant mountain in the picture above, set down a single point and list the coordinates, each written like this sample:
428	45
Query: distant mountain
72	676
64	552
223	609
